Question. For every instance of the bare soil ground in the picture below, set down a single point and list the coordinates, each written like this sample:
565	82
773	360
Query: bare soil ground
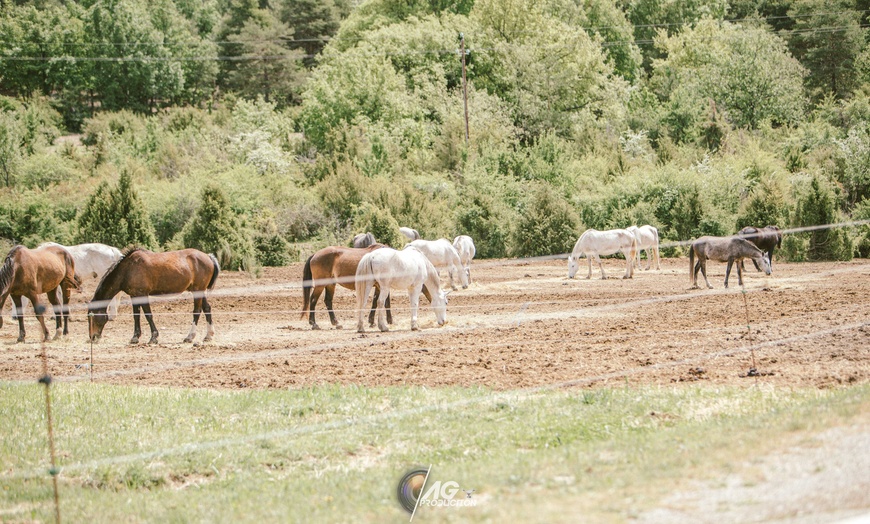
520	324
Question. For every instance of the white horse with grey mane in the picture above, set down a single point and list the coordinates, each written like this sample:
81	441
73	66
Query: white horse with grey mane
443	255
464	245
593	243
647	240
391	269
91	262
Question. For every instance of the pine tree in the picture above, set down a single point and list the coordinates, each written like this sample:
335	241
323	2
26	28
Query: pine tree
116	217
215	229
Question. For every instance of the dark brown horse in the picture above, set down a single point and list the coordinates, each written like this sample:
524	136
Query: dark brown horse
765	238
336	265
141	273
31	272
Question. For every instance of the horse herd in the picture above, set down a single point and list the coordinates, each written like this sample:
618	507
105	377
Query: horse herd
368	266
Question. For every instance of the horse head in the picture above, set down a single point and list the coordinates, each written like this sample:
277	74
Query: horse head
573	265
764	264
97	318
439	306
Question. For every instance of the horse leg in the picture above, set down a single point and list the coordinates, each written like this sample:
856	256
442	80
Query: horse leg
648	258
137	326
146	308
728	270
206	308
197	308
18	312
315	296
330	291
589	260
389	311
65	296
695	273
740	275
40	315
629	265
374	306
600	266
703	262
382	301
58	312
414	296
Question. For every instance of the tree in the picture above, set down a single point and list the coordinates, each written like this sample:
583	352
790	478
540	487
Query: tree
827	39
816	208
215	228
547	225
266	66
313	23
116	216
746	71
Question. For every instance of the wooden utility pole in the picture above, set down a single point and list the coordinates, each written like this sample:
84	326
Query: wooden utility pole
463	52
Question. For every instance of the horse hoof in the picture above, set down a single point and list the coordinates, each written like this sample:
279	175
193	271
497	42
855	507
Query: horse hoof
207	338
711	287
134	341
383	328
153	340
20	340
338	326
186	339
415	328
315	327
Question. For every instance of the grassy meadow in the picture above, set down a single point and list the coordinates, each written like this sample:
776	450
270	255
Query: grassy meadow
335	454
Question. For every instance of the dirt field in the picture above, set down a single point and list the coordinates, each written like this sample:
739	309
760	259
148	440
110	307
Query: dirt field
518	325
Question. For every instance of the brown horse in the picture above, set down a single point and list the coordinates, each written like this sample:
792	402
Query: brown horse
31	272
141	273
765	238
336	265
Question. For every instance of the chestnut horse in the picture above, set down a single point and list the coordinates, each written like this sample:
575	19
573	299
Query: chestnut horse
31	272
328	267
141	273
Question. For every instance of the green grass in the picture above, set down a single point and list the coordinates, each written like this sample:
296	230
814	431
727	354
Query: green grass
332	453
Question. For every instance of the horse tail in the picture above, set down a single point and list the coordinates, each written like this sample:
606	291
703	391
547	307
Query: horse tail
215	273
307	284
7	272
364	281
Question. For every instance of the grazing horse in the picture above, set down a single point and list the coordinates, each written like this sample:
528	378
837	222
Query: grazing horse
336	265
464	245
647	240
593	243
765	238
364	240
442	254
723	249
29	273
92	262
141	273
410	234
406	269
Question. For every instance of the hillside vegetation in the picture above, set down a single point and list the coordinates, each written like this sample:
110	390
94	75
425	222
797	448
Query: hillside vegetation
263	130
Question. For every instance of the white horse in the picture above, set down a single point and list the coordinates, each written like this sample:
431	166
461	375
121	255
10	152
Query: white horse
647	239
407	269
91	262
593	243
443	255
410	234
464	245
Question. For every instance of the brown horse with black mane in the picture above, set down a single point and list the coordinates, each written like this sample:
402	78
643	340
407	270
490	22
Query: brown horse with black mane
336	265
141	273
31	272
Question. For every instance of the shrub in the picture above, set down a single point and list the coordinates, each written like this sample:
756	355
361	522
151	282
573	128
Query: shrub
862	232
481	220
272	250
379	222
547	225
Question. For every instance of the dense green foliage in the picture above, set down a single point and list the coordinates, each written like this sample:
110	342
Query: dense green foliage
262	130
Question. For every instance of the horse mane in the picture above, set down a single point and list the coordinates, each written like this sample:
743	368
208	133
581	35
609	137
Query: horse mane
7	270
129	250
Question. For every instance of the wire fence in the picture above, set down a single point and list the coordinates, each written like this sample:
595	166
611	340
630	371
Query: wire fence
504	315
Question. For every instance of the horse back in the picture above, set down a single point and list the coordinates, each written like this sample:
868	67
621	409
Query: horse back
338	262
143	272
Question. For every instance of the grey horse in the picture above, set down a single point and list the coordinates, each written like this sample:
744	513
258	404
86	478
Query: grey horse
364	240
723	249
